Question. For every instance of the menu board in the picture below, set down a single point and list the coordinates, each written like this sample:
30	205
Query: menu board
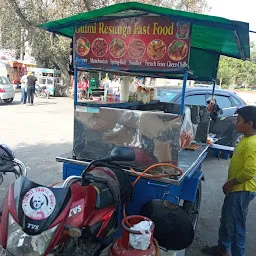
138	43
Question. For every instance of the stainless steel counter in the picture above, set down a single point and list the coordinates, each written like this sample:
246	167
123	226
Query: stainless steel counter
188	159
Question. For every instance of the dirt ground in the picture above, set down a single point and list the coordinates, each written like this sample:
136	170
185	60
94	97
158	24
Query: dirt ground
39	133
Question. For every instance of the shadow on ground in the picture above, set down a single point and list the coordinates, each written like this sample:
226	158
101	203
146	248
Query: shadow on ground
14	103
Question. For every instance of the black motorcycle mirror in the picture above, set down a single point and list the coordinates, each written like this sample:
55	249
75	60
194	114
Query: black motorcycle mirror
122	154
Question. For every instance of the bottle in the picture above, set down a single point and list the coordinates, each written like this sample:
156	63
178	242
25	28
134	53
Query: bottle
106	93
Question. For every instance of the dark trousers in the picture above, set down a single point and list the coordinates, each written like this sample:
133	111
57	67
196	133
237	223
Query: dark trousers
23	96
30	93
232	232
84	94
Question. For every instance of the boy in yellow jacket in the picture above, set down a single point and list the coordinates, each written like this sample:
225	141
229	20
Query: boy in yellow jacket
239	189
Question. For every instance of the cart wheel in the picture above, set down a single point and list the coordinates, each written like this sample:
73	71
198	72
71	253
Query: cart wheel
192	208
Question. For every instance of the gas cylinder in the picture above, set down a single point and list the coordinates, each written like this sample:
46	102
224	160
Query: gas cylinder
122	247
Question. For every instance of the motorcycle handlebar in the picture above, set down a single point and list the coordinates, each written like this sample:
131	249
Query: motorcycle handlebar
11	164
15	166
22	167
100	180
72	179
88	177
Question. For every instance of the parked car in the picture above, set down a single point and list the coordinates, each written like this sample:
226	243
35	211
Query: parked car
224	127
7	91
206	85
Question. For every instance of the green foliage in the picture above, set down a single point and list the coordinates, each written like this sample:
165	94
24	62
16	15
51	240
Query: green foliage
234	72
18	22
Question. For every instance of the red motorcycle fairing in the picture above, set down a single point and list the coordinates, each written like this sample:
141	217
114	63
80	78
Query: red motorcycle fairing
100	220
61	221
83	212
8	207
83	203
38	205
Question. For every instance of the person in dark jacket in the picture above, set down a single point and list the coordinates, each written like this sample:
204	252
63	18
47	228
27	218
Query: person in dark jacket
31	82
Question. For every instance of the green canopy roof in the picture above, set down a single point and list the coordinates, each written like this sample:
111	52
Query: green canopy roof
211	36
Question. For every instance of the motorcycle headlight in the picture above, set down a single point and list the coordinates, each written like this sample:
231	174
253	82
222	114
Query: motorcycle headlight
20	243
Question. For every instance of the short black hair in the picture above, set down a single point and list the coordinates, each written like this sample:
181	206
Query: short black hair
248	113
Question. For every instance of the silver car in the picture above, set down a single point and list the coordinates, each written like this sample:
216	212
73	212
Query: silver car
7	91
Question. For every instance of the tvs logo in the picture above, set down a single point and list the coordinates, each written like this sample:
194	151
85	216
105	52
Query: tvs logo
39	203
75	210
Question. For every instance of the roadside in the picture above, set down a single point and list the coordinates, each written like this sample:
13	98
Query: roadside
248	97
41	132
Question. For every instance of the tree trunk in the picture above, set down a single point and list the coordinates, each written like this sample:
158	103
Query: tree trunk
22	44
87	5
61	64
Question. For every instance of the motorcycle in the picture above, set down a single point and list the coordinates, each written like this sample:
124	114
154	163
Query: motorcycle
42	91
80	213
9	164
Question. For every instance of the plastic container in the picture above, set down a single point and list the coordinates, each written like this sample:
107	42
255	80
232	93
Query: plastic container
124	90
96	98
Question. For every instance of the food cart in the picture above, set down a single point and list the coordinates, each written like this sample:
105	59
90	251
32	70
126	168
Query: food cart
51	78
134	39
15	69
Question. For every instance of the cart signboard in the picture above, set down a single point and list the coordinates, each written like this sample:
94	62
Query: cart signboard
138	43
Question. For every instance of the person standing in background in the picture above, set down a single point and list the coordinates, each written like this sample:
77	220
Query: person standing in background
24	89
31	80
106	82
84	86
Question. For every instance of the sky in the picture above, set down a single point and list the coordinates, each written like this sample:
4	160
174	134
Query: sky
235	10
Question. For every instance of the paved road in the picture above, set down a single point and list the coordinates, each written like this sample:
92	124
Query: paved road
38	133
248	97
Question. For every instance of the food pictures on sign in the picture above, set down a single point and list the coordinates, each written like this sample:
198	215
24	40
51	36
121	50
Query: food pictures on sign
182	30
177	50
99	47
133	43
117	48
82	46
156	49
136	49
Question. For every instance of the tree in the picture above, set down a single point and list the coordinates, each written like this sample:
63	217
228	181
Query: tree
200	6
238	72
18	22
